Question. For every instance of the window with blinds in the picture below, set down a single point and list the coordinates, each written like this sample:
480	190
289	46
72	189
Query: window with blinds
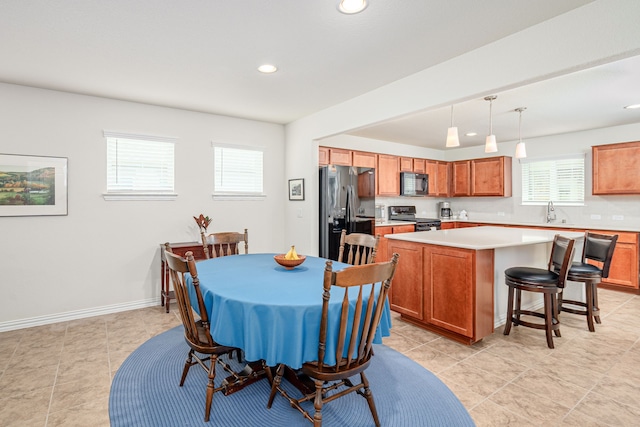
560	180
238	171
140	165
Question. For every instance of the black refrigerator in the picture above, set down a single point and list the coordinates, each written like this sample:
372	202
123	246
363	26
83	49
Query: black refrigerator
347	201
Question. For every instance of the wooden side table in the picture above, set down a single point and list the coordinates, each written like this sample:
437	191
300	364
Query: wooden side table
166	295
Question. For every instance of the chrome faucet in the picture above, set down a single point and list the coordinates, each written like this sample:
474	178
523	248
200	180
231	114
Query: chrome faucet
551	212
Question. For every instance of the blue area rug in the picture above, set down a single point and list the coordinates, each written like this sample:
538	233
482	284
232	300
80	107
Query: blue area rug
145	392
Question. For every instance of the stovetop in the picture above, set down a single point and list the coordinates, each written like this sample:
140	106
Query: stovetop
408	213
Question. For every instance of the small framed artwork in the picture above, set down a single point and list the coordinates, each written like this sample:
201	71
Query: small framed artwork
32	185
296	189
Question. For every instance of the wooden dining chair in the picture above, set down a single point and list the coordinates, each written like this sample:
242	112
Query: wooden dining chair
204	351
225	243
599	248
549	282
353	339
361	248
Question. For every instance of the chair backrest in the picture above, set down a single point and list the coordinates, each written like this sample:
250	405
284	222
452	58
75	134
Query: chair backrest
561	257
356	336
225	243
178	268
362	248
599	247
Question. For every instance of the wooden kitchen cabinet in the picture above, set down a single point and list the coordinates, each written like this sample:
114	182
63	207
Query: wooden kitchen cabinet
624	264
615	168
419	165
444	289
382	253
323	156
366	184
339	156
388	175
461	180
439	176
363	160
406	164
491	176
447	225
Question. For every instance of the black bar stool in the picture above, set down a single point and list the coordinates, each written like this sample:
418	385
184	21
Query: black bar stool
599	248
549	282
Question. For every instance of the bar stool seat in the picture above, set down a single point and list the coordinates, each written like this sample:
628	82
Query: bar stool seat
548	282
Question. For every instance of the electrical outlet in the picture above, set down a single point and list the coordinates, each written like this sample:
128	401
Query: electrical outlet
617	217
596	216
500	213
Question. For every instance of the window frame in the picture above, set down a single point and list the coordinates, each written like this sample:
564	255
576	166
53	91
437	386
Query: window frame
143	194
237	195
555	160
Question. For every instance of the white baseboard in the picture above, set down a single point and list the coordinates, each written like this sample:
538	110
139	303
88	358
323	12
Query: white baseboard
78	314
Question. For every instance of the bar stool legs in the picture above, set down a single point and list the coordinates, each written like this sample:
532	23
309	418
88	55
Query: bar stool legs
550	313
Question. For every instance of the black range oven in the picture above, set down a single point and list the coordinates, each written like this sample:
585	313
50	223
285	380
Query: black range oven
408	213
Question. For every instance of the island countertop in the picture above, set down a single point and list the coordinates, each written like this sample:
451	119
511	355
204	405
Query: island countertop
479	238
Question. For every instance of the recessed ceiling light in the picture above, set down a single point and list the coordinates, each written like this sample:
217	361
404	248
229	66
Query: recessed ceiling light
267	68
352	6
471	134
632	106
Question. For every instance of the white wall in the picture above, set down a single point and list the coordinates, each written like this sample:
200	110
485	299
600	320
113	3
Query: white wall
104	255
587	36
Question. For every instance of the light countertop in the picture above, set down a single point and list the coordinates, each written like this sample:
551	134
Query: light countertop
559	225
387	223
488	237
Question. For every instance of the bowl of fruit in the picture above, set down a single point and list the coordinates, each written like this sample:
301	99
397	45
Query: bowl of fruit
289	260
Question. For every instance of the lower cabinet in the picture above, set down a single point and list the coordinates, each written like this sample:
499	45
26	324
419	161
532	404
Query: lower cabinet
624	264
443	289
382	253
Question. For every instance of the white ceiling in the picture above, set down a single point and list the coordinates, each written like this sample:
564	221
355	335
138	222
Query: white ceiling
202	55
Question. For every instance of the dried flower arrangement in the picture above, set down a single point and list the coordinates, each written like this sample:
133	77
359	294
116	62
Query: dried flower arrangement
203	222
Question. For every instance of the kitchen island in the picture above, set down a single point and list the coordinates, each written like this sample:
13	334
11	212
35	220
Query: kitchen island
452	281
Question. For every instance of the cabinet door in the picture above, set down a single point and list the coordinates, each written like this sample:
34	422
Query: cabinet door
363	160
366	184
323	156
338	156
491	176
404	228
461	182
406	164
447	225
419	166
444	172
615	168
388	174
381	253
448	285
431	169
624	264
406	294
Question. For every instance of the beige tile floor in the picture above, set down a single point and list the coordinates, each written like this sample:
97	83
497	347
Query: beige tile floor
60	374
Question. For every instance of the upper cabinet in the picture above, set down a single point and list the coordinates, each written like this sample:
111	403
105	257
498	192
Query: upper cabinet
439	176
388	175
406	164
363	160
615	168
491	176
339	156
323	155
419	165
482	177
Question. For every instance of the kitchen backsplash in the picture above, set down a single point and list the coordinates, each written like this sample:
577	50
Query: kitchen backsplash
617	212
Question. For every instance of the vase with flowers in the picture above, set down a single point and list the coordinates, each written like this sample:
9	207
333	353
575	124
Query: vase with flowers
203	223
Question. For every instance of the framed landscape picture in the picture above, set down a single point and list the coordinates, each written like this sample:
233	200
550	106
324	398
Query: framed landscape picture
32	185
296	189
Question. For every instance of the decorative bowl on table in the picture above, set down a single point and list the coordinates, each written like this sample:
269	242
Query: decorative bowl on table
289	264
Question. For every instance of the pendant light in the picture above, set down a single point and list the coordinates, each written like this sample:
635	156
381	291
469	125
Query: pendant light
452	134
490	145
521	150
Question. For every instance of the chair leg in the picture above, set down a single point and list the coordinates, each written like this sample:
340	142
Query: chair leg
317	404
210	387
548	318
589	295
596	309
369	396
275	384
507	326
187	364
518	305
555	310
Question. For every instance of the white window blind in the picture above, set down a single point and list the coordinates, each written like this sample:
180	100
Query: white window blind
139	164
560	180
238	171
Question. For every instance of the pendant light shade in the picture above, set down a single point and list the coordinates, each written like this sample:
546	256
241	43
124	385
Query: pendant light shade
521	150
490	145
452	134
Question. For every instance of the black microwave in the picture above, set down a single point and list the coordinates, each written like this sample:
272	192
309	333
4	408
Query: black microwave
414	184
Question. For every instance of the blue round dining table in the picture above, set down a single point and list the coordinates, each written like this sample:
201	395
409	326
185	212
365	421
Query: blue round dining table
272	313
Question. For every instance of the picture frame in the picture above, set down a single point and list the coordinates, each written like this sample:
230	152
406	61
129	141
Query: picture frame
296	189
33	185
